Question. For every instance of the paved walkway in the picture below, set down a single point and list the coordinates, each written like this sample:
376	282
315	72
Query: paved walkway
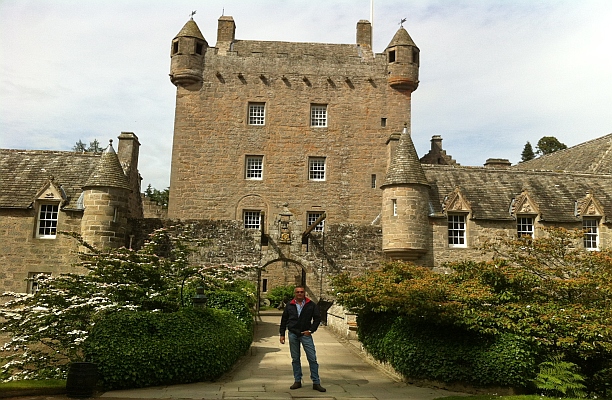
266	374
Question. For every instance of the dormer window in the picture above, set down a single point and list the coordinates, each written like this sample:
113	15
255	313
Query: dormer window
524	227
591	233
46	224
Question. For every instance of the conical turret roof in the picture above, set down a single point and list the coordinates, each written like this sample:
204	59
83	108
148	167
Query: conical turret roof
190	29
108	172
401	38
405	167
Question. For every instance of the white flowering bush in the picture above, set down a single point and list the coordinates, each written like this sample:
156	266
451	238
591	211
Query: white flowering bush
45	331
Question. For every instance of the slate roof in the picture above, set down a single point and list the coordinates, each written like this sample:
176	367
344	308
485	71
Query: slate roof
401	38
490	191
592	156
190	29
405	167
24	172
108	171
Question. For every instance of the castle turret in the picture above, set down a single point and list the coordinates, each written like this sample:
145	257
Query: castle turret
105	200
187	55
405	211
403	59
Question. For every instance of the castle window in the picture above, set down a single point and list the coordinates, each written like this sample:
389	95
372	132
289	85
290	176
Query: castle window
383	122
257	113
254	167
391	56
524	227
591	233
264	285
33	278
312	217
394	203
199	47
456	231
46	224
318	115
316	168
373	181
415	56
252	220
175	47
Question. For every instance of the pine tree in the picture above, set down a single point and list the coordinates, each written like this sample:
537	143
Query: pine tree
527	153
79	147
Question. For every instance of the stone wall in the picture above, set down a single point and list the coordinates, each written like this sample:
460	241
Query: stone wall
213	136
22	253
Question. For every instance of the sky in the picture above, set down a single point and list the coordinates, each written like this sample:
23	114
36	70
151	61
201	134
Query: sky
494	74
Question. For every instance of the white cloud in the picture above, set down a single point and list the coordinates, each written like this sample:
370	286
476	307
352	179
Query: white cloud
494	74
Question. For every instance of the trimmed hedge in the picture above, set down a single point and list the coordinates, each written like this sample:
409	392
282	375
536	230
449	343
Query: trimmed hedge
447	353
138	349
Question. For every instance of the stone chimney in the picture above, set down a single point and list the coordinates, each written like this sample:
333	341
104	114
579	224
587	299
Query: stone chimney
226	33
364	33
128	151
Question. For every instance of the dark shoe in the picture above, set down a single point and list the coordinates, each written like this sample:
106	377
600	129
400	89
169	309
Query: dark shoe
296	385
318	387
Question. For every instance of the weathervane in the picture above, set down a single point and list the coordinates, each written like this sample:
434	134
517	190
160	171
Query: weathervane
401	24
192	13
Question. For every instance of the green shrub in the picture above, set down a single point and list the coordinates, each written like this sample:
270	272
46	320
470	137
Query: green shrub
138	349
446	353
560	378
280	294
234	302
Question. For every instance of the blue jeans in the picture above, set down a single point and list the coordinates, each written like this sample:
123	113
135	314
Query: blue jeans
311	355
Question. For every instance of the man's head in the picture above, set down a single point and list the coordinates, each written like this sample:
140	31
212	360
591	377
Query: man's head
299	293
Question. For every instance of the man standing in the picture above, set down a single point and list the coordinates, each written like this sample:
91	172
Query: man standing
302	318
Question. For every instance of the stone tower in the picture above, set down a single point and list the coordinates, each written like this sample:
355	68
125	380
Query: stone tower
405	211
187	56
403	57
106	199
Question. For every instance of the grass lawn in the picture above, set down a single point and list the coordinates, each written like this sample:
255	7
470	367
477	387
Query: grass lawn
490	397
32	385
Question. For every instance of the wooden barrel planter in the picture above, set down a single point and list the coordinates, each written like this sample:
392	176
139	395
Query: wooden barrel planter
82	379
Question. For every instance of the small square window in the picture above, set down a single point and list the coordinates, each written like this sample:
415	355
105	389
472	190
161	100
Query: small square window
257	113
383	122
456	231
252	220
591	233
47	221
524	227
312	218
391	56
199	47
318	115
316	168
33	278
254	167
175	47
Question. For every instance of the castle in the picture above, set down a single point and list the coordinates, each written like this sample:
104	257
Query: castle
320	134
292	141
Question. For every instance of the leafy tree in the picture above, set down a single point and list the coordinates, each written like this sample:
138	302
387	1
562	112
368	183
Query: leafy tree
548	290
94	147
46	330
527	153
161	197
549	144
80	147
